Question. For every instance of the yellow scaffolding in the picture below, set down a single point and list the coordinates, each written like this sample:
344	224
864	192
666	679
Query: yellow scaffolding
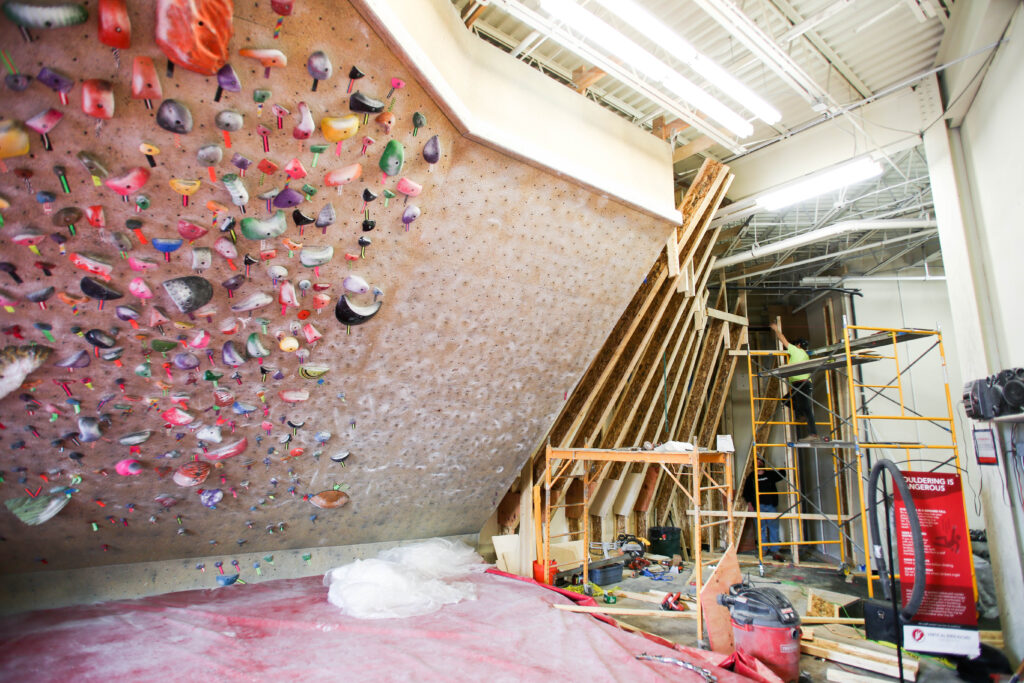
560	465
864	433
851	437
793	510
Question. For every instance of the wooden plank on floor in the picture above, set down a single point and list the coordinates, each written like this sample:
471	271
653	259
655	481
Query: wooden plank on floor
627	611
825	619
887	655
653	598
840	676
859	661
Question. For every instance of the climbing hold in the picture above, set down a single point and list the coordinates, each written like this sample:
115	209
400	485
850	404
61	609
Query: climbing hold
194	34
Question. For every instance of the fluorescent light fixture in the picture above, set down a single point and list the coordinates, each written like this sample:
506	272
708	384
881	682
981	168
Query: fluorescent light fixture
762	46
818	184
616	44
646	23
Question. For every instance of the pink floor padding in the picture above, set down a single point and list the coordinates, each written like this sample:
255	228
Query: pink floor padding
287	631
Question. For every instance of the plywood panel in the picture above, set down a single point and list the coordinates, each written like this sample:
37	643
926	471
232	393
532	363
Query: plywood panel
495	300
716	617
628	493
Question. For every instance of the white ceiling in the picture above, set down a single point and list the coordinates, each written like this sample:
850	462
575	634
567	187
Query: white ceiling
853	50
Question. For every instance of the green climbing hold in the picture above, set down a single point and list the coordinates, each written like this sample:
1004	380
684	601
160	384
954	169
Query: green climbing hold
256	229
38	509
392	158
163	345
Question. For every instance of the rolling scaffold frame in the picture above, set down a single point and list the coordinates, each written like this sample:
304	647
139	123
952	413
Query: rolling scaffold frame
792	509
844	356
560	465
884	337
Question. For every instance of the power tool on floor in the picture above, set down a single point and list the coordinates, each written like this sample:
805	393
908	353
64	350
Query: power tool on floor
634	546
765	626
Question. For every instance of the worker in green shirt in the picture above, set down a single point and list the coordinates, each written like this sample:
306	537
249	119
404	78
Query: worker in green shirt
801	388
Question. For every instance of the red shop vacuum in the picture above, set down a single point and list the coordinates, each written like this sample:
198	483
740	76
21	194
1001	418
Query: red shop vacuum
765	626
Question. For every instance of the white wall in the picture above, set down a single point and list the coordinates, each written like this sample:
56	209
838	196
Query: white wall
919	304
884	124
500	101
993	148
980	164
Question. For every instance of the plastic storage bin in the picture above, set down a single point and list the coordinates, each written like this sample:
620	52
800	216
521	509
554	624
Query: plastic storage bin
610	573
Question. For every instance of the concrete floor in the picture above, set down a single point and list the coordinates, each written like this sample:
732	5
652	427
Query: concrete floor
792	581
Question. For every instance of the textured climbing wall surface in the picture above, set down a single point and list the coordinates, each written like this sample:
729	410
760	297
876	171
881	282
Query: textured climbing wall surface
494	300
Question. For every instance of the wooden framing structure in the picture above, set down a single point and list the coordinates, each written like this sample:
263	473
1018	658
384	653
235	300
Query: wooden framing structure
561	465
662	374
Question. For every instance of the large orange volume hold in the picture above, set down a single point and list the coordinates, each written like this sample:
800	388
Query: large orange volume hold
194	34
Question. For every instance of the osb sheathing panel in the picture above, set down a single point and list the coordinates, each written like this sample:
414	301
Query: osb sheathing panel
495	301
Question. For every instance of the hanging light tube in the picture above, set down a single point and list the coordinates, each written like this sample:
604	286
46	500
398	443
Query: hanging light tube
646	23
733	20
557	33
820	183
619	46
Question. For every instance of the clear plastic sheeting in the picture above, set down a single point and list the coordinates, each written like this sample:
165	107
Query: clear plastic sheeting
674	447
406	581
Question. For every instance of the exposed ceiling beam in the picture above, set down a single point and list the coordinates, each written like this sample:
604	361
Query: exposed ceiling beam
667	131
824	50
697	146
897	256
495	35
564	36
583	78
803	26
764	47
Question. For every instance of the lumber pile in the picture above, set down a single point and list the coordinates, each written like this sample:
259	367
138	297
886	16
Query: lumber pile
868	659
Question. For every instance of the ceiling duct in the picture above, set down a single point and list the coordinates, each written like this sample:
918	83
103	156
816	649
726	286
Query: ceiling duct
829	232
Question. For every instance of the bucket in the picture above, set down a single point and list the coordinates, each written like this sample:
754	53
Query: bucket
664	540
765	626
777	646
538	571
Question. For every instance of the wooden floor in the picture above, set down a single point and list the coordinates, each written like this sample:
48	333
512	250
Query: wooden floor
796	583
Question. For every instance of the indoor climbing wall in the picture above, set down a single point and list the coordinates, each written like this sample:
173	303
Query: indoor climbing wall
256	291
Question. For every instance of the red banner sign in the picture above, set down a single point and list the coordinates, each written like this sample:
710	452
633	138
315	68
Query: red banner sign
949	599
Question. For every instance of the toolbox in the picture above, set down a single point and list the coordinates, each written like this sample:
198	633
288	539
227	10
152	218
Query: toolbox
602	576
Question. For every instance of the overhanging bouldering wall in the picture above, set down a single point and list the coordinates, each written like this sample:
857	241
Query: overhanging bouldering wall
495	291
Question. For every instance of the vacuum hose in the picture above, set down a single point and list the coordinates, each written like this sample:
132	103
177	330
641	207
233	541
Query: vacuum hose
917	595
